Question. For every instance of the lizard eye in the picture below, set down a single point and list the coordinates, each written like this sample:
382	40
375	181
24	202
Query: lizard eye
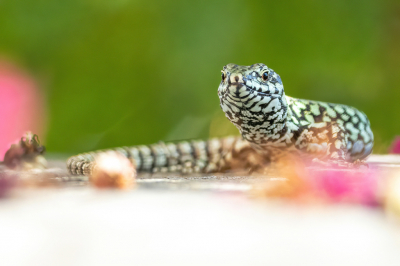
265	76
223	76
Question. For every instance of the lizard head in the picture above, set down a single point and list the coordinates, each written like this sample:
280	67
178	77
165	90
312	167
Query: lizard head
252	96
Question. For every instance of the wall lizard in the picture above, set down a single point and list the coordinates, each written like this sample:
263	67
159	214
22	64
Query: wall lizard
271	125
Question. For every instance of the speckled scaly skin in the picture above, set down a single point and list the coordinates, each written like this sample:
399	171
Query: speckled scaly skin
254	100
272	125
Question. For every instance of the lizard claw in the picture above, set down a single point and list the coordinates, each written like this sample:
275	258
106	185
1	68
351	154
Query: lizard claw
360	163
339	163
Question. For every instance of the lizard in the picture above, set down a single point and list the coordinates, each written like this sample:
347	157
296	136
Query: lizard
271	125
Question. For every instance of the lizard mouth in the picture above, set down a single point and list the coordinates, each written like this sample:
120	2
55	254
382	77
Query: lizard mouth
241	92
243	102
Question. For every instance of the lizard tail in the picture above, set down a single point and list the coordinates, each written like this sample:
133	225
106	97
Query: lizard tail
184	157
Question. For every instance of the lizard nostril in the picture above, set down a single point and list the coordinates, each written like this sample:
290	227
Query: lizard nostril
237	78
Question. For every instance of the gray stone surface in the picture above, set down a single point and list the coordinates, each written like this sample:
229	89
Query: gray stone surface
192	220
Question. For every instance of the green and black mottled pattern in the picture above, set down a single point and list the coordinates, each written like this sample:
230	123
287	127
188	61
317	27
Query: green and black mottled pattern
254	100
271	124
183	157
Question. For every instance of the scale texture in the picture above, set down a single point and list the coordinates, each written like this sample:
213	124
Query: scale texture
272	125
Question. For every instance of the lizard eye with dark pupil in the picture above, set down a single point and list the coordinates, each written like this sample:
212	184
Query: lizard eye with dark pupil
265	76
223	76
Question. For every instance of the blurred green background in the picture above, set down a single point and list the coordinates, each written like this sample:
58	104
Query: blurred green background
125	72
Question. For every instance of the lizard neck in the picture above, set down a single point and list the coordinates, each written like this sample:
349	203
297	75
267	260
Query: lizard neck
268	128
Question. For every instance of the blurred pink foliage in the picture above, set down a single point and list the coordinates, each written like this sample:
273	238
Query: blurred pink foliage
21	106
395	148
348	185
7	182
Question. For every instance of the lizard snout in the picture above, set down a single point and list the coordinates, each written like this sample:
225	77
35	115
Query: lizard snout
235	78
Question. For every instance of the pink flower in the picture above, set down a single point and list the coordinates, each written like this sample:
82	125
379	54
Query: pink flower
395	147
347	185
21	106
7	182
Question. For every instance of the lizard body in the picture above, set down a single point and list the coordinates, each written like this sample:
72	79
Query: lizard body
271	125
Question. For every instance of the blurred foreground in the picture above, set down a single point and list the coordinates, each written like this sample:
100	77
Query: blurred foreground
192	220
82	226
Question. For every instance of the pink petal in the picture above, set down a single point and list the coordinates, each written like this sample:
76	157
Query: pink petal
395	147
21	106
